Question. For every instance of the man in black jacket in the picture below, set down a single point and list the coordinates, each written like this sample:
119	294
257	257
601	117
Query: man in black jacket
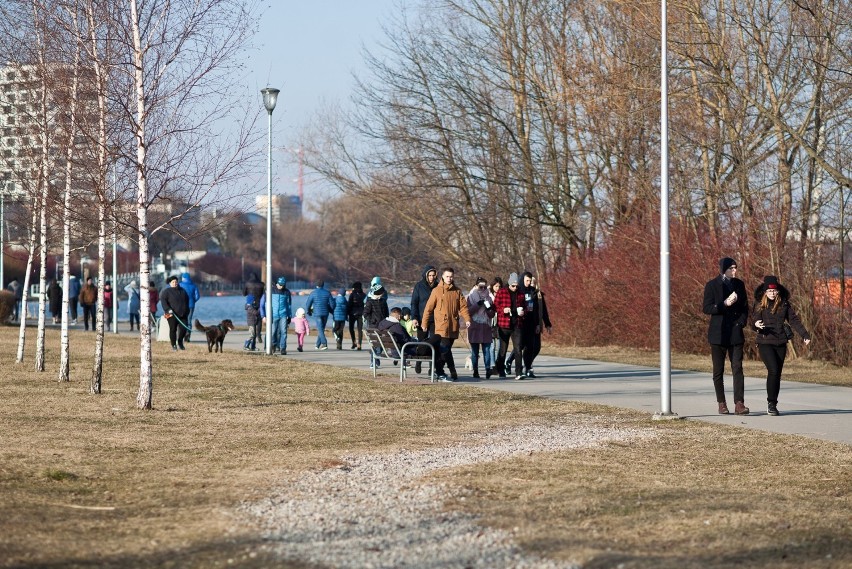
726	301
175	303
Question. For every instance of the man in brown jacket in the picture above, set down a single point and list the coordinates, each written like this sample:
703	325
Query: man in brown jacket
89	300
445	305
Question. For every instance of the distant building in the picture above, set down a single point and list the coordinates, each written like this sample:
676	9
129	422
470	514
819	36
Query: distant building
284	208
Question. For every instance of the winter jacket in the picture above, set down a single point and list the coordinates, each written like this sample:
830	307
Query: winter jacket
726	322
254	286
282	303
420	294
108	298
445	305
88	294
54	298
255	315
375	308
153	299
175	299
320	302
73	287
133	300
512	300
340	306
773	323
480	305
301	325
535	311
397	330
355	305
190	288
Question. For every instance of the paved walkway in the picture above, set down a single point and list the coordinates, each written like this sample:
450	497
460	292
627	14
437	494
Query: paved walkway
816	411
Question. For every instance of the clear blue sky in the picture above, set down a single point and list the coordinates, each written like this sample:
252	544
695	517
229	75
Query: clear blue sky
310	50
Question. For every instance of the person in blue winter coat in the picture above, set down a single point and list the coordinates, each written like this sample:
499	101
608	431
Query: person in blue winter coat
73	296
320	305
191	291
341	308
255	316
282	312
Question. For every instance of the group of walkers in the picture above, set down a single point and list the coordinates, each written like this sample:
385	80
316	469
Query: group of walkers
493	315
772	318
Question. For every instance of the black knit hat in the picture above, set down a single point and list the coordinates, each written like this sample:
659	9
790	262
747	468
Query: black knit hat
771	281
725	263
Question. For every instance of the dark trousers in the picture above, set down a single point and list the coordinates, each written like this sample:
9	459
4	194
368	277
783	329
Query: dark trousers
773	358
517	346
337	330
176	332
359	322
189	323
735	354
89	311
532	346
446	352
72	307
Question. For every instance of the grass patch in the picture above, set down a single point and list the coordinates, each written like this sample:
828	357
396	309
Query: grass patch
159	488
795	368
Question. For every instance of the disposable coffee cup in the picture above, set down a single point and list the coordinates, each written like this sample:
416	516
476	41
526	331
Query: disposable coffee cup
520	311
487	304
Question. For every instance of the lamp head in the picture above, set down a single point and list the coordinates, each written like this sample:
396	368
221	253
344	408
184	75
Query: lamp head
270	97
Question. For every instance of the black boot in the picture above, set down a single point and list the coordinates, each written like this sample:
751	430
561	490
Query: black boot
488	372
476	372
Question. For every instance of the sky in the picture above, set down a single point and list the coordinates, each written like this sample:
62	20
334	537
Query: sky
309	50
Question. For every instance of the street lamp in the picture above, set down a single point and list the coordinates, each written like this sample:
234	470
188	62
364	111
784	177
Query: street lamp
270	97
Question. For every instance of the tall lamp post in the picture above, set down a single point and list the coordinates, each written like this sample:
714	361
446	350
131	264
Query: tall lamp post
270	97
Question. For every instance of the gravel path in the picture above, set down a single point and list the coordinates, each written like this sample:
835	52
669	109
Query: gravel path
372	511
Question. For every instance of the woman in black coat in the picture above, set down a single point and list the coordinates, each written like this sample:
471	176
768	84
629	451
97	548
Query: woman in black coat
175	303
54	300
772	309
355	313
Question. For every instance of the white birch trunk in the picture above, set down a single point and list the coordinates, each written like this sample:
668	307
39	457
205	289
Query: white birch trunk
22	333
100	191
145	396
42	274
64	351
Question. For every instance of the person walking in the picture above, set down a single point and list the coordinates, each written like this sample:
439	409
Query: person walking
536	320
375	310
108	292
445	305
153	301
726	301
282	313
175	303
339	316
495	286
480	305
419	297
18	293
194	296
302	328
772	315
255	317
509	304
134	302
73	297
89	300
54	300
355	313
320	305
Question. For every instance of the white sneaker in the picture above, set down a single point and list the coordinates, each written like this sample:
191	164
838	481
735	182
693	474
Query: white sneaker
323	347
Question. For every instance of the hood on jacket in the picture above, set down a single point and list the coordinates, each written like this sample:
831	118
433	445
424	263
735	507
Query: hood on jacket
185	277
426	270
252	278
341	293
357	286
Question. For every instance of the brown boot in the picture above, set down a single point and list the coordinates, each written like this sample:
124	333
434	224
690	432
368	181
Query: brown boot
723	408
740	408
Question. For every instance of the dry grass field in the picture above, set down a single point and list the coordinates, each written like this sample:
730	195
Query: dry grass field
89	480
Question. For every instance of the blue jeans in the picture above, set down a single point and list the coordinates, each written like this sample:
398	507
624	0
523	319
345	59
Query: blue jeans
279	333
486	355
321	321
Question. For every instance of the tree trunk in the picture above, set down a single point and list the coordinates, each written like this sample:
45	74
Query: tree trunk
22	334
144	397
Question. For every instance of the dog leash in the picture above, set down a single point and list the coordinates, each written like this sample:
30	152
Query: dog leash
175	316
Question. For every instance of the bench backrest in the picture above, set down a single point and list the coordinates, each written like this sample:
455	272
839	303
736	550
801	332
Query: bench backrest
383	343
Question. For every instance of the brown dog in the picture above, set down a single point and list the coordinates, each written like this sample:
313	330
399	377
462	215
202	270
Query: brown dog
215	334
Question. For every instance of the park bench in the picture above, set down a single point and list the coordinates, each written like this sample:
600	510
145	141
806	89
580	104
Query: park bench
384	348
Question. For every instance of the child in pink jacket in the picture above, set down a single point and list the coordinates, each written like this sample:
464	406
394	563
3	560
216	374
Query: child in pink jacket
302	328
